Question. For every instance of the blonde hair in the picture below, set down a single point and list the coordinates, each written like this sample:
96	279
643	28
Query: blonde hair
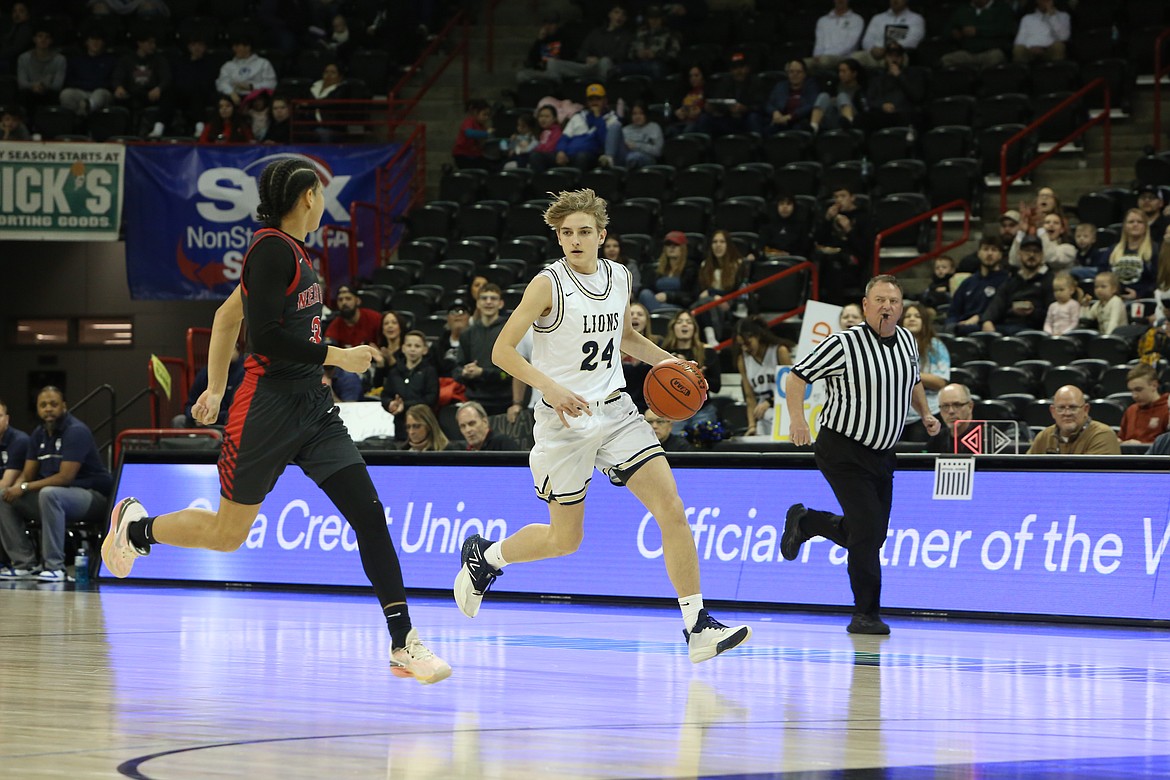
664	268
436	439
576	201
671	344
1145	248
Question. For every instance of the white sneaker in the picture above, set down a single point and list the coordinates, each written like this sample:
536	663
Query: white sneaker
709	637
117	552
417	661
14	573
475	577
157	131
52	575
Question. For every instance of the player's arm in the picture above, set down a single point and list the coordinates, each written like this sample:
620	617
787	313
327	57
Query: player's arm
638	346
536	302
225	331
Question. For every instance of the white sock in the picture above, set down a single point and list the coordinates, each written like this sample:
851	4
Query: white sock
494	555
690	606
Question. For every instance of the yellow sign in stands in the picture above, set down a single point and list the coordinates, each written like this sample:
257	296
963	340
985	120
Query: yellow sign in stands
161	375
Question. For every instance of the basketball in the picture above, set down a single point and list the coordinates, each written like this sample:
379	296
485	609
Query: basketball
675	390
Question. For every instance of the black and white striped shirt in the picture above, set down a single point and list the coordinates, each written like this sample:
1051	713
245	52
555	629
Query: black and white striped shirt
869	382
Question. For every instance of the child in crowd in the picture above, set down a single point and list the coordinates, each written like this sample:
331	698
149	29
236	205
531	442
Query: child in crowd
1064	313
545	152
522	143
410	381
1108	311
12	126
938	292
475	129
1087	261
788	231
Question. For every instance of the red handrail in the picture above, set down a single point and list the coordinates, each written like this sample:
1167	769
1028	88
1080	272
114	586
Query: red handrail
750	288
1160	72
1005	180
172	433
938	250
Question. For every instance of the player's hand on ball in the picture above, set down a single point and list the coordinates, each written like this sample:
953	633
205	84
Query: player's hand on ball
205	410
798	433
693	366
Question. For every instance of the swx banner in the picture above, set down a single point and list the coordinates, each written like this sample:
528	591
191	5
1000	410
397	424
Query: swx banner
191	212
1080	543
60	192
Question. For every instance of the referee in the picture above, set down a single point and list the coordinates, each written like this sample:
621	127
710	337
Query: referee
871	371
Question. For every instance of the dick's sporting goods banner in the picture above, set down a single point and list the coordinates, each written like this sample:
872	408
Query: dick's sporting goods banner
60	192
190	212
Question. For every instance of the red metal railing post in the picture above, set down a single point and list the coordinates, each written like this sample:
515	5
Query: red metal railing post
937	211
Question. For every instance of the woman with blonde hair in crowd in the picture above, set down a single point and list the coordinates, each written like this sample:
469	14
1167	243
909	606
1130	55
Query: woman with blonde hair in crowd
423	433
1060	252
635	370
673	280
934	365
1132	259
682	340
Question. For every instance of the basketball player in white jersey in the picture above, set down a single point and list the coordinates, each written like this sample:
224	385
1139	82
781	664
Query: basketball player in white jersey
577	308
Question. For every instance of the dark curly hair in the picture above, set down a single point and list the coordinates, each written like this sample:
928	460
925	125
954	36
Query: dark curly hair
281	183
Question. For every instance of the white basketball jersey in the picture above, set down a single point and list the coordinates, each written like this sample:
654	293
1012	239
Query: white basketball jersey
578	344
761	375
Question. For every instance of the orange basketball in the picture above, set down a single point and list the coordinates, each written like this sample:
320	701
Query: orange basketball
674	390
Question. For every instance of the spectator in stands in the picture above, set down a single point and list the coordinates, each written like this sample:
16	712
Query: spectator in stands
934	365
633	369
733	105
40	71
1073	431
235	376
612	250
899	25
842	244
654	50
851	314
689	116
522	142
1064	313
195	76
844	108
1152	204
673	280
345	385
761	353
545	152
1042	34
838	35
722	271
788	232
938	290
548	46
642	139
1009	227
954	405
12	126
1089	258
1059	252
446	347
88	75
1021	303
13	450
410	381
423	433
895	93
1148	416
603	49
485	381
477	431
142	83
664	430
340	42
331	86
280	131
1046	203
973	295
62	481
256	109
17	38
684	341
791	104
1132	259
584	139
475	130
1108	310
983	31
228	126
354	325
1162	281
245	71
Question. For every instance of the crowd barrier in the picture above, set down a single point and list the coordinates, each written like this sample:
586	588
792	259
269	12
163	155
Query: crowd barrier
1081	537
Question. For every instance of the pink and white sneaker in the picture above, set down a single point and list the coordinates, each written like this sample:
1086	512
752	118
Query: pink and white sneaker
118	553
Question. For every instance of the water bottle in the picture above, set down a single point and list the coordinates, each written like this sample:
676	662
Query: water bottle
81	568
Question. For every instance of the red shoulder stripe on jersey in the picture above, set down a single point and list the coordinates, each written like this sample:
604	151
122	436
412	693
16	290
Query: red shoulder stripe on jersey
298	255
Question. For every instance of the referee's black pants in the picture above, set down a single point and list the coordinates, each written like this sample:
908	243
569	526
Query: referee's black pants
862	479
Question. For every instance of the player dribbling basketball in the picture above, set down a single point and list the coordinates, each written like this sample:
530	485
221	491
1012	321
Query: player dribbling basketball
578	311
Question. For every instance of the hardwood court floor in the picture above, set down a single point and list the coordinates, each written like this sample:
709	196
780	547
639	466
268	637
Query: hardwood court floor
189	683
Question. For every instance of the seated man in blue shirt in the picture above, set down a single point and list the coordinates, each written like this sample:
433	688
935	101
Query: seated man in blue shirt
63	480
13	450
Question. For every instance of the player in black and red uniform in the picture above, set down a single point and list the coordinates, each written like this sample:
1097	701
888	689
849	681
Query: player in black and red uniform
282	413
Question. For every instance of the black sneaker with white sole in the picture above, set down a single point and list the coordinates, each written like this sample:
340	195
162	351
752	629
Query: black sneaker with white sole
475	577
709	637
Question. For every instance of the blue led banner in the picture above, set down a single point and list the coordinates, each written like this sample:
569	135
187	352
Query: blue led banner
1087	543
